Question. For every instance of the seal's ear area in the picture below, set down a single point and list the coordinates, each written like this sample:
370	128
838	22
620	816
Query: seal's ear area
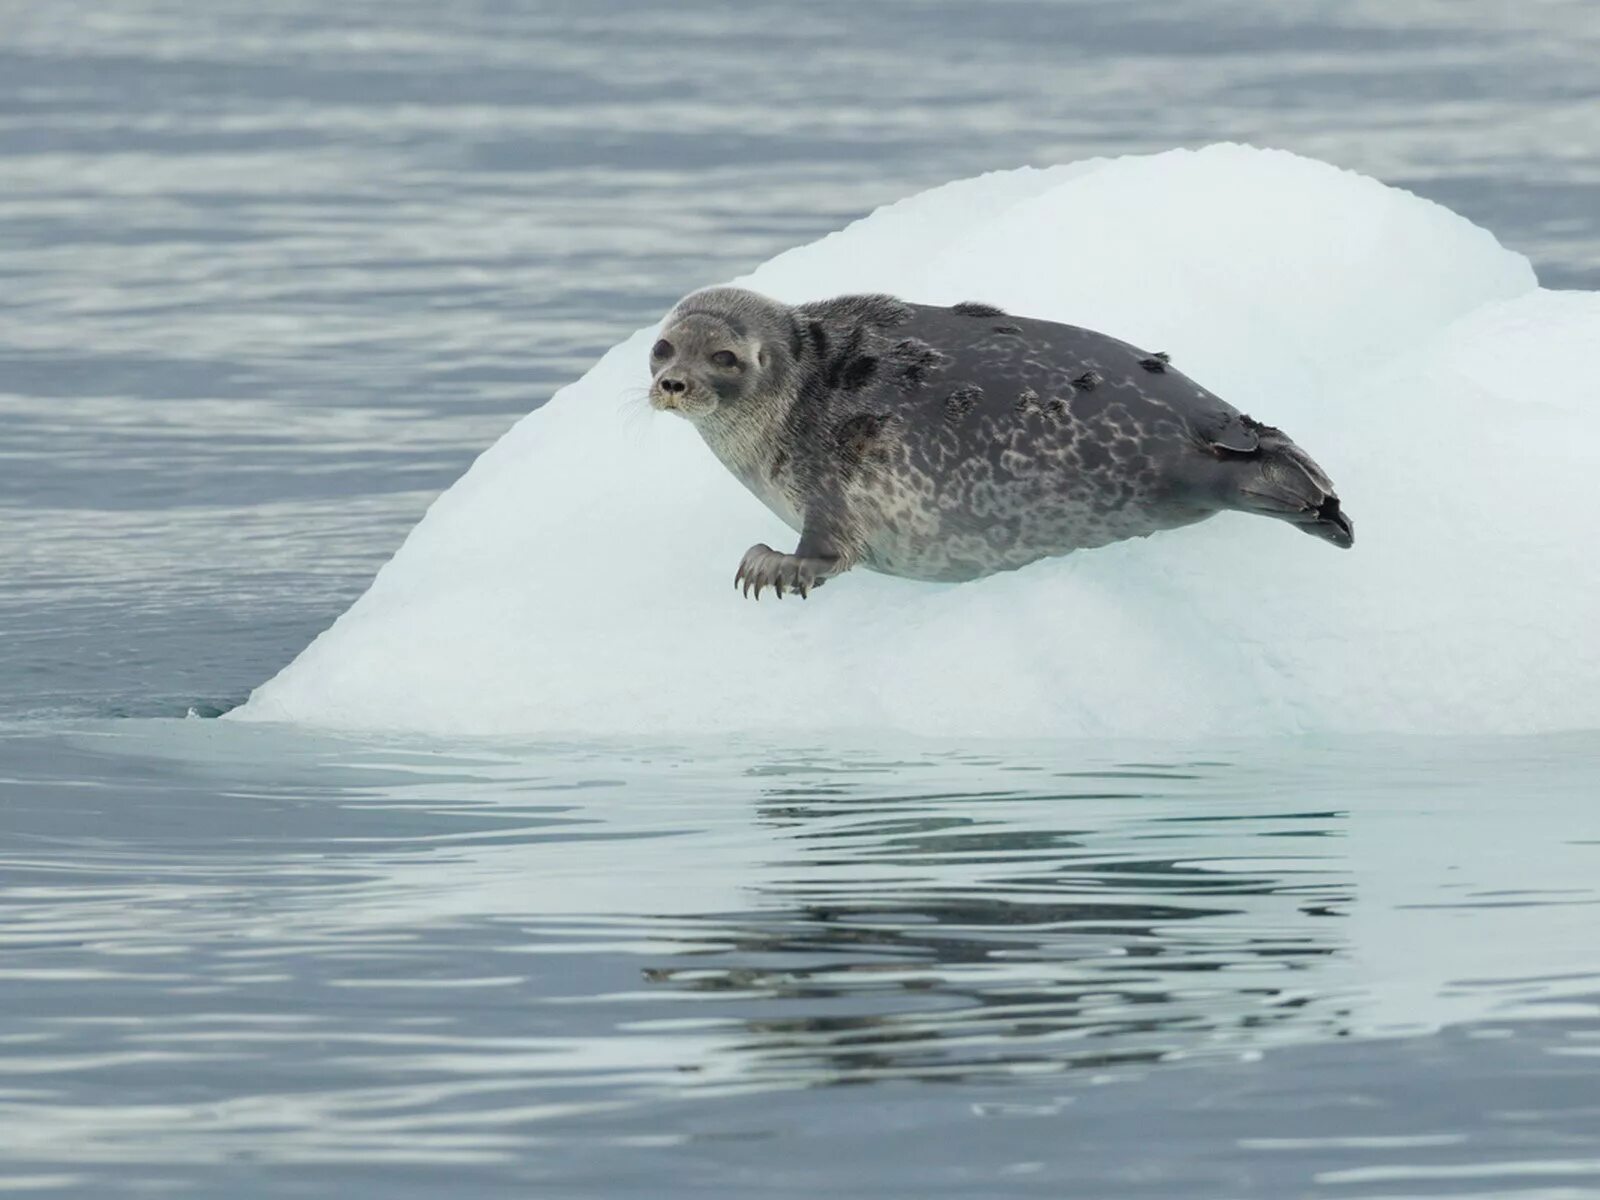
763	356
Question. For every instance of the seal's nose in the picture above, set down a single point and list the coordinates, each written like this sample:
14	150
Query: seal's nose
673	387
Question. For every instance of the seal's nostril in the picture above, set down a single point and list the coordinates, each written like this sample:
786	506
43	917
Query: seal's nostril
674	386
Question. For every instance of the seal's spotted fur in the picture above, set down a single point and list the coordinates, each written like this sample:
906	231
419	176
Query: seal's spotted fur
940	444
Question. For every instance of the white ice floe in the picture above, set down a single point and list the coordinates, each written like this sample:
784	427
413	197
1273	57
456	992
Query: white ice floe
579	576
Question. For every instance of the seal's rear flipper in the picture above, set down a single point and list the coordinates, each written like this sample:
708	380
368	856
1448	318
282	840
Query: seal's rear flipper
1325	520
1278	479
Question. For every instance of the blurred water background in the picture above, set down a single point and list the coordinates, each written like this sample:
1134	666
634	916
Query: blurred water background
274	273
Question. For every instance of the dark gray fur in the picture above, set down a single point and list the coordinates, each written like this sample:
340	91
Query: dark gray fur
937	444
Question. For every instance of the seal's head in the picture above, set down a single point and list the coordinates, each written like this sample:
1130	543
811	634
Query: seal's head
720	350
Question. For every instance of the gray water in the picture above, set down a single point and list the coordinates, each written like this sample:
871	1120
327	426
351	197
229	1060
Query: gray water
273	274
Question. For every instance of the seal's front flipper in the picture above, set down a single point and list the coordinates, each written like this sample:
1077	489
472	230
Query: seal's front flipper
765	567
823	552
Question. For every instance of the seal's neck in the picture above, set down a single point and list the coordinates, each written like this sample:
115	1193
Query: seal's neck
747	437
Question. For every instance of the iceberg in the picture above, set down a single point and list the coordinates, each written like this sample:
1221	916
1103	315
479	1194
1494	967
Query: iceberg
578	578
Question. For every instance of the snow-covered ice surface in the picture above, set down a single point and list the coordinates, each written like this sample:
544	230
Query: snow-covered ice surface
578	577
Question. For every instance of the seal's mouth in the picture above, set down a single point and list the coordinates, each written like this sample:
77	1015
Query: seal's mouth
688	404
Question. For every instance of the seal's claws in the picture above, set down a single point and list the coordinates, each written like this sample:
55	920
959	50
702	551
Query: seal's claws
786	574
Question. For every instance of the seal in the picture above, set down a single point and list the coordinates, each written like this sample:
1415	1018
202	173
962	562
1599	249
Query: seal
946	444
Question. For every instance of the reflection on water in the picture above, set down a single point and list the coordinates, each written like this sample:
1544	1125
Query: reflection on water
222	944
1074	918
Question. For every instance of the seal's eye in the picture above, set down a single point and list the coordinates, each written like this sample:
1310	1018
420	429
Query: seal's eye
725	358
661	349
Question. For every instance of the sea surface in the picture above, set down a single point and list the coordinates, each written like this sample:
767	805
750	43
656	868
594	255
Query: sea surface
272	274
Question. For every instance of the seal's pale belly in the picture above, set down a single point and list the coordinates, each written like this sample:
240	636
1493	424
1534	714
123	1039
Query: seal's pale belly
986	524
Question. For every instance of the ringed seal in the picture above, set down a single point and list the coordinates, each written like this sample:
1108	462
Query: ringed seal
951	443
